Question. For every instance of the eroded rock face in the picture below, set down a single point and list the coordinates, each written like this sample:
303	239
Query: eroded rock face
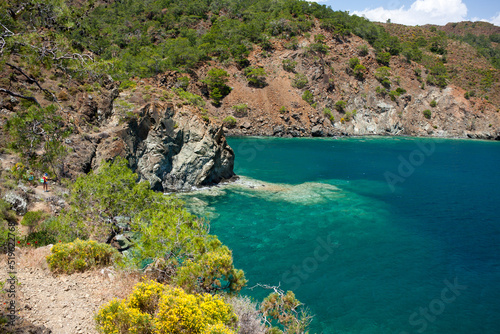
172	148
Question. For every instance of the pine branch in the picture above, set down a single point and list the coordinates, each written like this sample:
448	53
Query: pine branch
11	93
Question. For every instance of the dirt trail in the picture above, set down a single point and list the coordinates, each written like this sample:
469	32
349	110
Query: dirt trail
65	304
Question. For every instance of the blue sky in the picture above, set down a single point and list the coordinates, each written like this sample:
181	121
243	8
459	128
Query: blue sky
419	12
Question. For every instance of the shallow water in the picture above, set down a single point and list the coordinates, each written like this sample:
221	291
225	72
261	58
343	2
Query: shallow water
374	235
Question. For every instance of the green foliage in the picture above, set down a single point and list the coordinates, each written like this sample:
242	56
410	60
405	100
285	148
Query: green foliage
353	62
216	80
282	110
299	81
308	97
328	113
287	311
396	93
363	50
156	308
381	91
241	109
438	44
340	105
229	121
110	201
256	76
359	71
438	76
384	58
382	73
35	129
40	238
33	218
127	84
79	256
189	97
433	103
427	113
469	94
289	65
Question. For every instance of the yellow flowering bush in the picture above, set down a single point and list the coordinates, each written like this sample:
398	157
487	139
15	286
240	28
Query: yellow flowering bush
80	255
161	309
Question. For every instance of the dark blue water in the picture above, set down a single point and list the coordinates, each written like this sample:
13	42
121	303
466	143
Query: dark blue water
374	235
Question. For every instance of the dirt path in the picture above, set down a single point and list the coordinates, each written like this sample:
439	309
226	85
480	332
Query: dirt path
65	304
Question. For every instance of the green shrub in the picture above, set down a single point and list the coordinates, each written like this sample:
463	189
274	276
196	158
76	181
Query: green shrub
216	80
359	71
433	103
340	105
381	91
363	50
240	110
126	84
289	65
33	218
256	76
384	58
41	238
189	97
229	121
382	73
328	113
299	81
427	113
308	97
353	62
282	110
79	256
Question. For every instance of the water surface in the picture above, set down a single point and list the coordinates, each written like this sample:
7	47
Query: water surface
374	235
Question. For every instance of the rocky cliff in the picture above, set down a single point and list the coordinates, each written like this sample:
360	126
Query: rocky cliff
169	146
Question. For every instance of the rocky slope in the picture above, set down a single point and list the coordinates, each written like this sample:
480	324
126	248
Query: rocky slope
278	109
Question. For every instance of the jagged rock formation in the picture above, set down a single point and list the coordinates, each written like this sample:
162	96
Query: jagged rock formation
169	146
176	150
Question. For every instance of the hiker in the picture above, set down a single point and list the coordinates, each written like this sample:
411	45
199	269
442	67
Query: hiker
45	178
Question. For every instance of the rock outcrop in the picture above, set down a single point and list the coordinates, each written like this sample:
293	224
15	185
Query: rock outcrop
171	147
175	149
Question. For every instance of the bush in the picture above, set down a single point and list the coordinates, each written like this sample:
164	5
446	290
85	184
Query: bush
427	113
363	50
384	58
289	65
282	110
381	91
299	81
229	121
433	103
359	71
328	113
256	76
240	110
216	80
156	308
79	256
353	62
190	98
308	97
340	105
33	218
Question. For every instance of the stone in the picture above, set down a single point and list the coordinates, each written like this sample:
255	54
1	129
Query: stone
317	131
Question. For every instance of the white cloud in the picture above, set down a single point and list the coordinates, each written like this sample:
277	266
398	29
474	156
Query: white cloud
495	20
420	12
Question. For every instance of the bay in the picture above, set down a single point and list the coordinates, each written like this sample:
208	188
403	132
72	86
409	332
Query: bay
374	235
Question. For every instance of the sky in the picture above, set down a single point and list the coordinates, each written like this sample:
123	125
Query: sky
420	12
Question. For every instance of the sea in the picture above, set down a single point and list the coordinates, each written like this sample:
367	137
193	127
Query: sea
373	235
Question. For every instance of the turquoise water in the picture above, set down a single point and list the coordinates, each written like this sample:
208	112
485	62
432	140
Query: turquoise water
374	235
